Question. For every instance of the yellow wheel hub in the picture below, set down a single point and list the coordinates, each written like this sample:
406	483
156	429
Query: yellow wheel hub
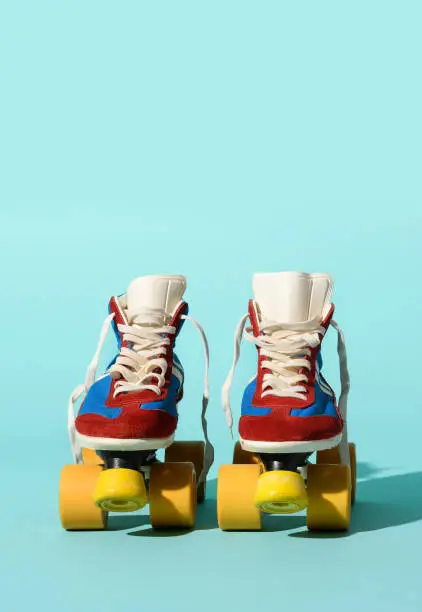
120	490
280	492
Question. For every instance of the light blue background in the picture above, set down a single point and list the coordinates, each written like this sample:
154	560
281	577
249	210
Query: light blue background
214	139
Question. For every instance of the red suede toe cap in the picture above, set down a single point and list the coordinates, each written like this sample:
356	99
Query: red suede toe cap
143	424
282	428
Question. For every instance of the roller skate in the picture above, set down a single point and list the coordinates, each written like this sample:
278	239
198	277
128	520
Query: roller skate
130	412
289	412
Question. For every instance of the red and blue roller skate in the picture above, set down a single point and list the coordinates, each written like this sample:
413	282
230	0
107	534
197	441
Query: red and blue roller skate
289	412
131	412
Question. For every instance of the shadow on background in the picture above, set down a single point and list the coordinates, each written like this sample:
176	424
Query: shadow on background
120	522
206	519
382	502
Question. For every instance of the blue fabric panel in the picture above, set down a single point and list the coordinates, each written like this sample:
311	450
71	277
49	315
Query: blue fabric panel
169	403
95	400
323	405
247	408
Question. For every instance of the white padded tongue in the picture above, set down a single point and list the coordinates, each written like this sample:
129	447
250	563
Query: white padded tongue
292	297
161	292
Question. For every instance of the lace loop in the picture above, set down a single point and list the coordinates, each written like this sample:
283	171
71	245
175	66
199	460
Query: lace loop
286	350
143	360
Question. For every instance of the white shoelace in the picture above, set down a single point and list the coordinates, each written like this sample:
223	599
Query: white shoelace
138	365
286	348
135	366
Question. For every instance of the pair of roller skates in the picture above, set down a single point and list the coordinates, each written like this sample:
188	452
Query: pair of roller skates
288	412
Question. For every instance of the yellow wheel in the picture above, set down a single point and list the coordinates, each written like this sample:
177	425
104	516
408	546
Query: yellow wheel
236	487
332	455
329	497
76	503
90	457
281	492
172	495
243	457
352	451
120	490
193	452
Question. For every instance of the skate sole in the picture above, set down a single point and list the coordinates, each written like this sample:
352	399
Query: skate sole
135	444
307	446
